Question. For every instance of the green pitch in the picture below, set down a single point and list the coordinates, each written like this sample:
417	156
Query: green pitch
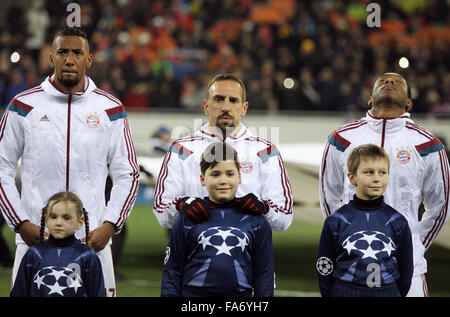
295	257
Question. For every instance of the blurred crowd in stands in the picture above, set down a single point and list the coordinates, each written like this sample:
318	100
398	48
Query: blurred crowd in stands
292	55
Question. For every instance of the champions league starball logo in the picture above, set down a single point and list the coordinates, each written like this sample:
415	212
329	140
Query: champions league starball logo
57	279
369	244
223	239
324	266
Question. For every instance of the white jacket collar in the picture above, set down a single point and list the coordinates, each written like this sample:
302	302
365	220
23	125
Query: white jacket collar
391	124
204	130
50	88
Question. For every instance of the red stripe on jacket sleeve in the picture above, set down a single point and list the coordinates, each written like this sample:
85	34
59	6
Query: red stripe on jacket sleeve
115	110
22	105
428	144
126	208
340	139
324	166
439	222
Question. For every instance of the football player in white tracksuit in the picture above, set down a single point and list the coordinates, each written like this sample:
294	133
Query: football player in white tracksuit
262	168
419	168
66	132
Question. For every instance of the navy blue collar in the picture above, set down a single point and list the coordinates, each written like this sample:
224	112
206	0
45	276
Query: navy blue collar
367	204
62	242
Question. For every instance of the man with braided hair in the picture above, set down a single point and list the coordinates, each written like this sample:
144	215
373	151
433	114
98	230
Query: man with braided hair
265	184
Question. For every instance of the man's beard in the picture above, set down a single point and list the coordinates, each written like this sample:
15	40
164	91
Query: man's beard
69	82
226	129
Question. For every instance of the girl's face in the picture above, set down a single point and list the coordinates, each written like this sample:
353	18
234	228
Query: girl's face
62	220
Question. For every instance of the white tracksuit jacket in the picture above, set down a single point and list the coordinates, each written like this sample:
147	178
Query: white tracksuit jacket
66	142
262	173
418	171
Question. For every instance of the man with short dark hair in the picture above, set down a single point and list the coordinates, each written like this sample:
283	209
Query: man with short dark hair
67	132
419	167
264	177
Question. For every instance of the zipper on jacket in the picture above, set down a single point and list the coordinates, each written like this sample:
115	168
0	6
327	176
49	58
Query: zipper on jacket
69	106
383	132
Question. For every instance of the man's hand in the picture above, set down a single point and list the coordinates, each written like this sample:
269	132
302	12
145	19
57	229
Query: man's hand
99	238
30	233
250	204
195	208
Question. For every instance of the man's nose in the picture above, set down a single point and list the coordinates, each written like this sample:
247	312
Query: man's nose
226	105
69	59
389	80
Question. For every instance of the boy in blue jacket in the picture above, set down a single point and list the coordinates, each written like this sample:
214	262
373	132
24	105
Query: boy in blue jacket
231	254
366	247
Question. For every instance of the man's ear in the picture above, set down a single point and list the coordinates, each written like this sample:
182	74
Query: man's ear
52	64
409	104
244	109
90	59
205	107
369	102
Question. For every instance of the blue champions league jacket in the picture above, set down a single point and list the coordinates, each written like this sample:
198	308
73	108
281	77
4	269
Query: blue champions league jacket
230	254
59	267
367	245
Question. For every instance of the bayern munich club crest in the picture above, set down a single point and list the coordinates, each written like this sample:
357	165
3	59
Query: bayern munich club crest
92	120
246	167
403	156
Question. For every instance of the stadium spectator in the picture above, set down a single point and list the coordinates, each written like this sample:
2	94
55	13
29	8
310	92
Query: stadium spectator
160	141
190	39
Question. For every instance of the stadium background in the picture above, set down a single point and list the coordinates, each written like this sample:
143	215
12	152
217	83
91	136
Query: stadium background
308	68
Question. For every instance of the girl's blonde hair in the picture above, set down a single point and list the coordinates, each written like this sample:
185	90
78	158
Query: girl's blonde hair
65	196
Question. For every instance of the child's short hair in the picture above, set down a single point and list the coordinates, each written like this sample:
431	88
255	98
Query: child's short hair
65	196
218	152
364	152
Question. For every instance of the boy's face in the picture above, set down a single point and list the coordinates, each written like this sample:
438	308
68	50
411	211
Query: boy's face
371	178
221	181
62	220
